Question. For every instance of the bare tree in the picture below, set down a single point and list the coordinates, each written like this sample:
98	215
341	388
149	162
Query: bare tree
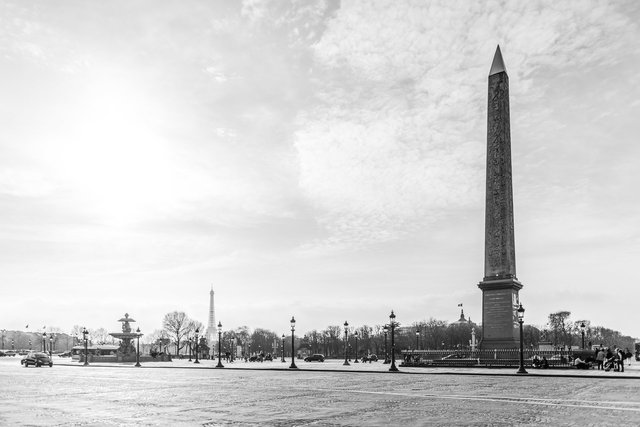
560	327
100	336
177	325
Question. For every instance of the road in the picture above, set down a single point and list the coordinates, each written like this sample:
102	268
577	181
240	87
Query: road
180	393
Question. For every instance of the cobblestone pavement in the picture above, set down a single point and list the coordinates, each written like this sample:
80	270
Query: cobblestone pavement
181	393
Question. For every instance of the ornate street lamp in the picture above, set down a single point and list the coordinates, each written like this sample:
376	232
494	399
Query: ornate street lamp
50	344
356	358
197	343
417	339
190	341
3	332
219	365
346	332
44	342
386	349
393	324
582	326
138	348
13	344
233	348
283	337
86	342
520	312
293	346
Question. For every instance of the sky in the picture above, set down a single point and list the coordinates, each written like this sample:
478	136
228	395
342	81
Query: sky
317	159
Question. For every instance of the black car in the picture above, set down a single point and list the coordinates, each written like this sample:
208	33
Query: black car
370	358
314	358
36	359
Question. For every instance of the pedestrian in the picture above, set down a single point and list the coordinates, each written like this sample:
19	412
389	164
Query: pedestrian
580	364
536	361
600	358
620	356
545	363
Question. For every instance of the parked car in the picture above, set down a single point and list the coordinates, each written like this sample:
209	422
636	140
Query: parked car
370	358
36	359
268	358
10	353
64	354
314	358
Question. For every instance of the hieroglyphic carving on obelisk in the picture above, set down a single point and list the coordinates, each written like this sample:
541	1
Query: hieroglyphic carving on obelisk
500	285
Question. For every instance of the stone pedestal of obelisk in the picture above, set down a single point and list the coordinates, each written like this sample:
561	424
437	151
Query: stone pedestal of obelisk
499	286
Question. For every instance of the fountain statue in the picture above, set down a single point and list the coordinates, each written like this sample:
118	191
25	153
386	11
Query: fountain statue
126	336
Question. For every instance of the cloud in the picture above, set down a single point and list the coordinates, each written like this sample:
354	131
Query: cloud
397	137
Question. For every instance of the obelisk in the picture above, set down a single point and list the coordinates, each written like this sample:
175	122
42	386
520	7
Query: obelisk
500	285
212	334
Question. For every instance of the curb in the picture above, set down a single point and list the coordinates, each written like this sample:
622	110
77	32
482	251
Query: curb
492	374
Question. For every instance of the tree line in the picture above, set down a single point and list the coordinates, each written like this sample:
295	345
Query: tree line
178	332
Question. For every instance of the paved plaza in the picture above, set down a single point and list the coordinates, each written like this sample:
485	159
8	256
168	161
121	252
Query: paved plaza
322	394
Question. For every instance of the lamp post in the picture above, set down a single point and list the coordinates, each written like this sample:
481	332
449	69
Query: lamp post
283	337
138	348
50	344
293	346
392	322
86	351
346	332
197	343
44	342
386	349
233	348
355	360
582	326
13	344
219	365
520	312
417	339
3	332
190	341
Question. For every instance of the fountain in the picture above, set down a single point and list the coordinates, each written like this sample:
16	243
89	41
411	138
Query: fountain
126	350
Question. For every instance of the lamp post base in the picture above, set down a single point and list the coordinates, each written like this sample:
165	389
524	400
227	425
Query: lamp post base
521	370
219	365
293	366
346	363
393	368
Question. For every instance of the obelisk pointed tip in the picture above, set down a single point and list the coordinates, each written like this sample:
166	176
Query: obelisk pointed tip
497	66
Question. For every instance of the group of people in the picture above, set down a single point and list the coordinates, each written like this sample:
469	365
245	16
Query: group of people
541	363
608	360
605	359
